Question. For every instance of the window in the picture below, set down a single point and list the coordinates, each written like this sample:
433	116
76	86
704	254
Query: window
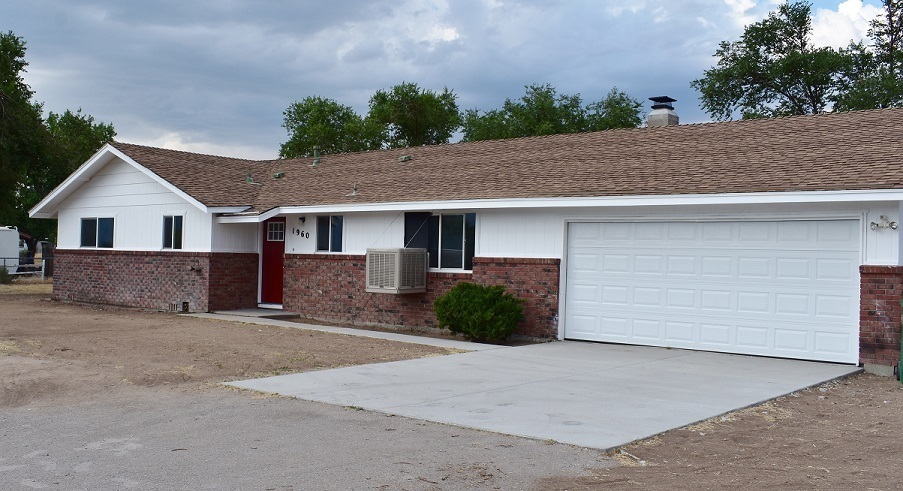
329	233
276	231
97	232
172	232
449	238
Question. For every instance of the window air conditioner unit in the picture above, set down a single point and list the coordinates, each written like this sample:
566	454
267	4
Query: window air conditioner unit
396	270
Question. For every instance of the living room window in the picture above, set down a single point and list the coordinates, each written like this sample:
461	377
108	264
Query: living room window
97	232
172	232
449	238
329	233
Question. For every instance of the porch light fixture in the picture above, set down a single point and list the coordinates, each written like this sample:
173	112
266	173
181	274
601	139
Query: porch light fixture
883	223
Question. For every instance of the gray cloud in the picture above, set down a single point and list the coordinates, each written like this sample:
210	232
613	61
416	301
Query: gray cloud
215	76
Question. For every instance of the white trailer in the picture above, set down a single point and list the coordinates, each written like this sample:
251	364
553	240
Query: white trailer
9	248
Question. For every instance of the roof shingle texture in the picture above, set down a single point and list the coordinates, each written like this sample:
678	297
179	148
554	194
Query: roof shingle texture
858	150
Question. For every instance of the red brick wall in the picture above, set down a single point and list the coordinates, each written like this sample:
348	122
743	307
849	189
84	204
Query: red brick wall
881	289
154	280
233	280
331	287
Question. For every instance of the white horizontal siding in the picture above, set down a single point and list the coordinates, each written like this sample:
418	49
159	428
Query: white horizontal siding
362	231
137	204
532	233
236	237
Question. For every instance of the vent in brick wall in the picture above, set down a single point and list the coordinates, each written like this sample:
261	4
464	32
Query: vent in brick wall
396	270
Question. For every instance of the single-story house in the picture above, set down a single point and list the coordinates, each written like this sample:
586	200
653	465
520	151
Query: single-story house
773	237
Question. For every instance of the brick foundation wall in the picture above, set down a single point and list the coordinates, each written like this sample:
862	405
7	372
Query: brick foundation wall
233	280
881	289
155	280
332	288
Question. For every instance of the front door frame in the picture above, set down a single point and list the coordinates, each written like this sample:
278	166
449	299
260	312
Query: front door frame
272	261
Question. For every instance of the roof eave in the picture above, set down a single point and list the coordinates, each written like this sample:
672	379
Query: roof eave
584	202
49	206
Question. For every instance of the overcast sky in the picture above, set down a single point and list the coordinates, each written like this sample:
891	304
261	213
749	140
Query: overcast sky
214	76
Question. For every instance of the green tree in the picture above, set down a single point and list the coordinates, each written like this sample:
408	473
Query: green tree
317	122
22	135
773	70
413	116
875	76
616	110
543	111
36	155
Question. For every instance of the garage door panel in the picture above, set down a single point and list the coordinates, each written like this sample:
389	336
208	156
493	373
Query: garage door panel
617	327
768	288
836	344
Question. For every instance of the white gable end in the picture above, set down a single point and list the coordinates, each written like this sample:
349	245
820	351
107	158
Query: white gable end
137	203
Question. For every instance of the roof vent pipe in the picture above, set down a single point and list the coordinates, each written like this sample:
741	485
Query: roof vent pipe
662	112
316	157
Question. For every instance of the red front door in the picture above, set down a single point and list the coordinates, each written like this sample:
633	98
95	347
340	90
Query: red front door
273	258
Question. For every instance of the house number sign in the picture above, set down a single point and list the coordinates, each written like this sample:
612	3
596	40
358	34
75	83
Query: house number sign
300	233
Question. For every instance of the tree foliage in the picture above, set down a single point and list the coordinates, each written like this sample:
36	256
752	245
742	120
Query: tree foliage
773	70
36	154
330	127
413	116
407	115
543	111
874	78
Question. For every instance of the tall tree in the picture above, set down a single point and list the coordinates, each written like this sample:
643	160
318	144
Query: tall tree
875	76
23	137
773	70
543	111
36	155
413	116
330	127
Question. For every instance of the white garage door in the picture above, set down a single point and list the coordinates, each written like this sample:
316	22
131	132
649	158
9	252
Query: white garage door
775	288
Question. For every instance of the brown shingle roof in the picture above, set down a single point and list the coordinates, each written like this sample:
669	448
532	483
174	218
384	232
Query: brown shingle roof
212	180
842	151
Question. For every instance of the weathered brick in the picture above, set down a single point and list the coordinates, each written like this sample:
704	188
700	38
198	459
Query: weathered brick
332	288
157	279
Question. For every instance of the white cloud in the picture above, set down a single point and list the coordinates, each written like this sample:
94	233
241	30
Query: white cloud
178	141
849	22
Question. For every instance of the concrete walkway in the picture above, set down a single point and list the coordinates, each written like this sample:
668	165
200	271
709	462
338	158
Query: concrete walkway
587	394
269	317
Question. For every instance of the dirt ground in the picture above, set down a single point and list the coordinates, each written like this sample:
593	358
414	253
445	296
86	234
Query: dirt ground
842	435
120	348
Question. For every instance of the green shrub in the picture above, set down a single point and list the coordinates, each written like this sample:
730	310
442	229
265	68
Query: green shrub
481	313
5	276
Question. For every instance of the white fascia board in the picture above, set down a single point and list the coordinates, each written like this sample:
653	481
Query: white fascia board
227	209
47	207
159	180
589	202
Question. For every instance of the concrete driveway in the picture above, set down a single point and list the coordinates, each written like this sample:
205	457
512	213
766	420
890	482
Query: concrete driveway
592	395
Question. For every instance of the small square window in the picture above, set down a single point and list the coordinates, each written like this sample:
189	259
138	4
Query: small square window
276	232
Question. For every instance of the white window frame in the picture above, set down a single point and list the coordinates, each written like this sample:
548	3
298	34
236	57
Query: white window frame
274	235
172	232
97	220
464	242
328	250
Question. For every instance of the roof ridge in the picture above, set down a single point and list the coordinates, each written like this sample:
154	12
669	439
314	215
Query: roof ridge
184	152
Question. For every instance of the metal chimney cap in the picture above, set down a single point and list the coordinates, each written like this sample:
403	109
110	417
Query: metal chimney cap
662	102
